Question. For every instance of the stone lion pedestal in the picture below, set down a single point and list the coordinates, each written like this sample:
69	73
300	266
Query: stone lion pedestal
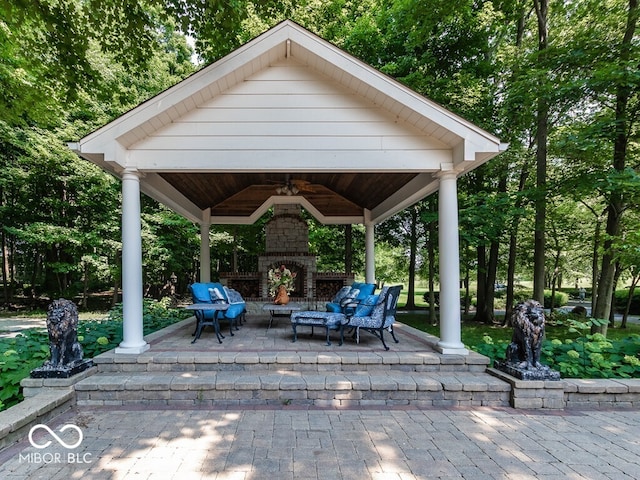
523	353
66	353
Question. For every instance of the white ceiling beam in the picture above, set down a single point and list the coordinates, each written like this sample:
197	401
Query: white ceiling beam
420	187
160	190
287	200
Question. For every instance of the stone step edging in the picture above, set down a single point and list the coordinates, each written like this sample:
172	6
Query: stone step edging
338	390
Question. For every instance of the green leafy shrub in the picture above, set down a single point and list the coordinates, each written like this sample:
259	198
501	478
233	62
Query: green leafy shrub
560	299
584	356
522	294
30	348
495	350
99	336
621	301
19	356
593	356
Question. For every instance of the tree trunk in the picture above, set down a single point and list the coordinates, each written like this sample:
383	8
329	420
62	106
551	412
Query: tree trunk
554	279
513	249
594	254
481	278
116	279
594	266
541	7
85	285
612	312
467	293
5	269
431	252
483	312
556	270
632	288
490	284
234	267
511	270
413	251
348	248
617	201
513	237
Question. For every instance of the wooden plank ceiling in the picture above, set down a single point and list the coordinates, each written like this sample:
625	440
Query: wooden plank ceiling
339	194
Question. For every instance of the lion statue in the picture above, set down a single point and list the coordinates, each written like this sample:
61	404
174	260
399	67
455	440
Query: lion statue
62	323
528	332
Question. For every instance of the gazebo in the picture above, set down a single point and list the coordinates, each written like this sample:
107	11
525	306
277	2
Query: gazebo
289	118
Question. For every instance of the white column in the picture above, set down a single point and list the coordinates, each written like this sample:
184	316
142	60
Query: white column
205	248
369	251
132	329
450	328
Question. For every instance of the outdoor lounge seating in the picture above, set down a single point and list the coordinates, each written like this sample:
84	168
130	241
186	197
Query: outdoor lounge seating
349	295
375	314
212	293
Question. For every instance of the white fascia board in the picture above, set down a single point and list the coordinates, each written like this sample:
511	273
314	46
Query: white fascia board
239	161
286	200
420	187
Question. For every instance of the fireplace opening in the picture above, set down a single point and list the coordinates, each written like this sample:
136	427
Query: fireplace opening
298	271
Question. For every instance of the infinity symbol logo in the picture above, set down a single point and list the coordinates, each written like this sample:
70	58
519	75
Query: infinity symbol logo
52	433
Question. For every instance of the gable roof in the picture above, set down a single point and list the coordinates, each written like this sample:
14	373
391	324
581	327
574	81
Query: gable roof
288	108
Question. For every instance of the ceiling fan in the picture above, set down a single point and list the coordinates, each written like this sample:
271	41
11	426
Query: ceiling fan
293	186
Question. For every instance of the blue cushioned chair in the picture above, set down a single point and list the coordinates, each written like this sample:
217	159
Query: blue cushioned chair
212	292
375	314
350	296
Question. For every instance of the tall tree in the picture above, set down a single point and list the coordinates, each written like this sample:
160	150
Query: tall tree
406	230
626	84
542	113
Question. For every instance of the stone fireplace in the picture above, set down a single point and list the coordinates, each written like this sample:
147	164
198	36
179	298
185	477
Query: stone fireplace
287	243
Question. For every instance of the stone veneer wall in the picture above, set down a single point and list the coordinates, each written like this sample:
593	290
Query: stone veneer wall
287	243
287	231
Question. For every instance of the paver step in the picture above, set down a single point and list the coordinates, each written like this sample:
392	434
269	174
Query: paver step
192	389
291	361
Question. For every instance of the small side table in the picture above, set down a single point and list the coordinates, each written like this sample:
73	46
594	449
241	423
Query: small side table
276	310
199	309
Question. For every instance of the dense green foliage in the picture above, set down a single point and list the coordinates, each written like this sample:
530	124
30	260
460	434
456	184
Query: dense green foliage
568	346
575	353
69	66
30	348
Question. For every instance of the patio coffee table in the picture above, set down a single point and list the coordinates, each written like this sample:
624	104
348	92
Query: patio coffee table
280	310
200	308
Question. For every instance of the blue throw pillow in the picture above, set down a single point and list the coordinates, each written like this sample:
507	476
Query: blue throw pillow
366	307
366	289
200	292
